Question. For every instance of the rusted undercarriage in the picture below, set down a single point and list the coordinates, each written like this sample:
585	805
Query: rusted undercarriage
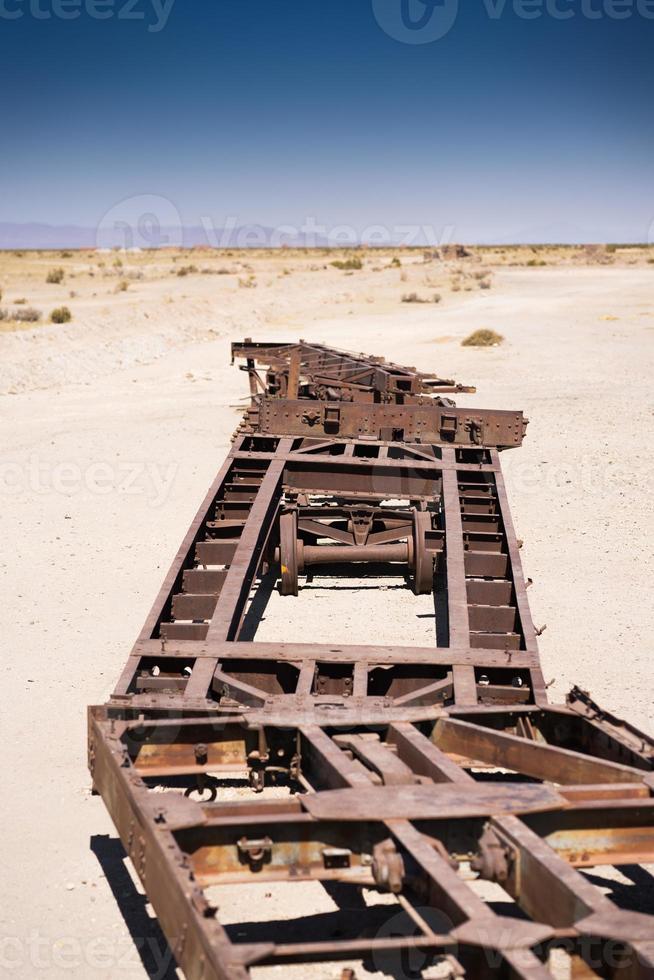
413	772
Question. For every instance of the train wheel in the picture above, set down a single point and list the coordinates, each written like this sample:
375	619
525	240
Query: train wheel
423	572
288	553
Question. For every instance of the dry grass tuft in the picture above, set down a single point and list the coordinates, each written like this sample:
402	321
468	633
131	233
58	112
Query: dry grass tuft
25	314
483	338
348	265
416	298
61	315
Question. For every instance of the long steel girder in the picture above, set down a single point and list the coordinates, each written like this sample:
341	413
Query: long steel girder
412	771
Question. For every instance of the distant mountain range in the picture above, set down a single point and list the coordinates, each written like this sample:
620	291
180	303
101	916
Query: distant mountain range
45	236
566	233
123	235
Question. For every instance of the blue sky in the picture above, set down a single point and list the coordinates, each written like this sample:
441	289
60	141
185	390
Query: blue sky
275	111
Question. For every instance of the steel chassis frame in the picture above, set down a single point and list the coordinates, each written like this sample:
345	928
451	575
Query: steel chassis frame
406	764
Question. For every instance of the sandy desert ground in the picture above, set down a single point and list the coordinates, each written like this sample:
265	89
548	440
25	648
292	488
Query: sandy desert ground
114	424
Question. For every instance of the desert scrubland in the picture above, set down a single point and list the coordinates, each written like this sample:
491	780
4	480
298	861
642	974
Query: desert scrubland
115	421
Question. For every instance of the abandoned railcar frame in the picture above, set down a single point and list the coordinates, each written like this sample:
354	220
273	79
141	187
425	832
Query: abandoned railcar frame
412	772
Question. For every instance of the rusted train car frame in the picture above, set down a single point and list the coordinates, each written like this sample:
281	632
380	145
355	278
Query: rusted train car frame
406	764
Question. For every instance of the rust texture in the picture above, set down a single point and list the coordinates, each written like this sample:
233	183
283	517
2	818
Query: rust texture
413	771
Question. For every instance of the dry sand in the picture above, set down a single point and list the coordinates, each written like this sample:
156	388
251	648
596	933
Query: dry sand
113	426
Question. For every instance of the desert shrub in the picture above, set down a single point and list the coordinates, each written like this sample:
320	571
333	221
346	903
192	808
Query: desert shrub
185	270
55	276
395	263
26	314
596	255
65	255
533	263
413	298
122	286
61	315
4	315
348	265
437	298
225	272
485	284
483	338
249	283
20	301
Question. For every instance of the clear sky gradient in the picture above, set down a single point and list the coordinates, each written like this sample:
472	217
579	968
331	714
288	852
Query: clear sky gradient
279	111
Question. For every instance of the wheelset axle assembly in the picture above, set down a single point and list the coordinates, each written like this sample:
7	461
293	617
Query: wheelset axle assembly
407	538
